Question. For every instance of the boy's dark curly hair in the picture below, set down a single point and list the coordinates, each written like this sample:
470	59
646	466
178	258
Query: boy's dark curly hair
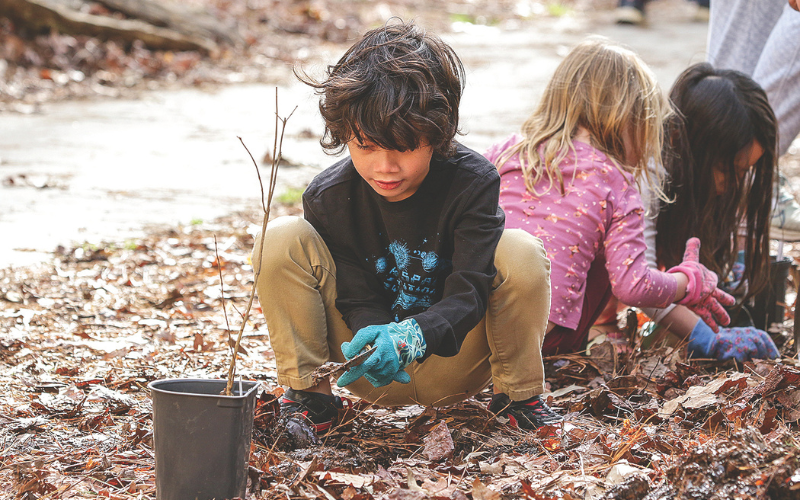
398	88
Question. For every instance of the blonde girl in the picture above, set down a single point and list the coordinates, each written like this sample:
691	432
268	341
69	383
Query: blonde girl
571	177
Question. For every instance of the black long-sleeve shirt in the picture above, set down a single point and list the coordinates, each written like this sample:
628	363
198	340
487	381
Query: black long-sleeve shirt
430	256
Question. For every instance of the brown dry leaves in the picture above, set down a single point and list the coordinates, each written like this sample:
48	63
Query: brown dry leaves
82	337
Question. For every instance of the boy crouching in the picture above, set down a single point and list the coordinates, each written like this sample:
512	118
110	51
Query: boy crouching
403	243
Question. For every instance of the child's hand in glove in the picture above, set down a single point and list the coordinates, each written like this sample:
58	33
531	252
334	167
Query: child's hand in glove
740	343
702	295
398	344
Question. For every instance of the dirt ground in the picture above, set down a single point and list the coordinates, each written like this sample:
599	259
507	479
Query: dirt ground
130	206
147	138
99	160
83	335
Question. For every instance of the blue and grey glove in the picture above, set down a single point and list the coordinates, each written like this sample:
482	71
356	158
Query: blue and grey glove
736	275
741	343
398	344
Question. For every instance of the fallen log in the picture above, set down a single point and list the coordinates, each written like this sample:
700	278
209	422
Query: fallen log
178	18
59	16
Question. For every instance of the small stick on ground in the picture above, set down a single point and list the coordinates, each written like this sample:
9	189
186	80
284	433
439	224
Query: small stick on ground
330	368
266	206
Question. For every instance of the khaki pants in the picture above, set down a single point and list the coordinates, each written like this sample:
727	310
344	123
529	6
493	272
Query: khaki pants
297	291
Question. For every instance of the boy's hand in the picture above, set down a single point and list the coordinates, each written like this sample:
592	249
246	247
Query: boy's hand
739	343
397	345
702	295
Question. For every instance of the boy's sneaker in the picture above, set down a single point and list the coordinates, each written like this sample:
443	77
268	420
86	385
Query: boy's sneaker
785	223
630	12
528	414
319	410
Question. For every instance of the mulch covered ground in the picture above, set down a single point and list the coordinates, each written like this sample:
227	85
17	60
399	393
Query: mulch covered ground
83	335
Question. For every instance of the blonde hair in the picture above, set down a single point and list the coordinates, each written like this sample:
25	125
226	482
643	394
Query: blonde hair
609	91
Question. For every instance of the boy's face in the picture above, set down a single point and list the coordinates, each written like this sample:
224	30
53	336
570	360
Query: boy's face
392	174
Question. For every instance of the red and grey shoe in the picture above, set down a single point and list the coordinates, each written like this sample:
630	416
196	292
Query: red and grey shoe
319	410
531	413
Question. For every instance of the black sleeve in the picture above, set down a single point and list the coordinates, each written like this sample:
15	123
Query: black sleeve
466	290
359	298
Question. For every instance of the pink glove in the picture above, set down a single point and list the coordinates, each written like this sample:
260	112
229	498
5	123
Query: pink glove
702	295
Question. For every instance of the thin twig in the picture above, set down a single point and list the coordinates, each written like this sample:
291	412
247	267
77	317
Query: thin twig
57	492
257	265
222	290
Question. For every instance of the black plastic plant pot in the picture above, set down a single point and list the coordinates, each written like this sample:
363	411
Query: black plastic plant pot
201	438
769	304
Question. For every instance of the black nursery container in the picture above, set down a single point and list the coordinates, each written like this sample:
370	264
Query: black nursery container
768	305
201	438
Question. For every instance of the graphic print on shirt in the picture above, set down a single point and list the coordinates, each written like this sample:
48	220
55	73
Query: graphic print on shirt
412	277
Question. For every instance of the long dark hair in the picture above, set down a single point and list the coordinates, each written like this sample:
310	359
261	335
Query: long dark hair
719	113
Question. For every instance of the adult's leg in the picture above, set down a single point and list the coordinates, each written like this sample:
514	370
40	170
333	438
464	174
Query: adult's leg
630	12
760	39
738	31
778	72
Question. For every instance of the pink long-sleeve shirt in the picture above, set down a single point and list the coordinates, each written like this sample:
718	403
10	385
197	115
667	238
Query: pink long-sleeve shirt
600	212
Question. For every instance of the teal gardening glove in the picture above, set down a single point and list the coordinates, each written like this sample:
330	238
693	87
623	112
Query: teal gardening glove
397	345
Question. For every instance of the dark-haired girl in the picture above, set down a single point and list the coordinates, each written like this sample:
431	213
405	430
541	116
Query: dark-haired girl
720	159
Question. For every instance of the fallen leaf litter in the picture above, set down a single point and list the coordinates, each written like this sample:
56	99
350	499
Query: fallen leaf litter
81	336
84	334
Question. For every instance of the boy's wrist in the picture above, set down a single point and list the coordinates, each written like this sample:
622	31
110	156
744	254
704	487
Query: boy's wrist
409	341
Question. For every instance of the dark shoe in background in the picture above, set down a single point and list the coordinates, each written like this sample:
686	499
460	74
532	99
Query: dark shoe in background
631	12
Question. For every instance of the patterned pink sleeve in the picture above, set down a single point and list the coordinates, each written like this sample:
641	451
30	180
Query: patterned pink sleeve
492	153
633	282
496	149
